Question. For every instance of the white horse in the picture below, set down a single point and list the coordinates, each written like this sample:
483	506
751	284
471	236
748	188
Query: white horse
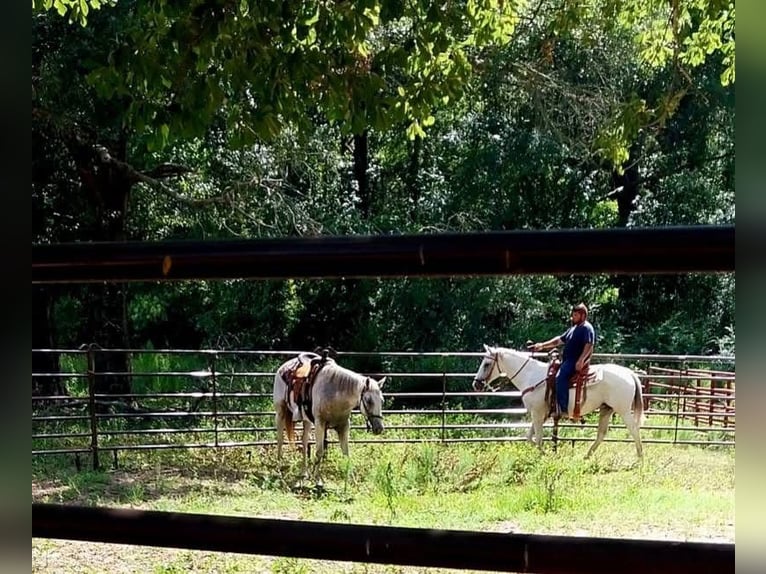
615	389
334	393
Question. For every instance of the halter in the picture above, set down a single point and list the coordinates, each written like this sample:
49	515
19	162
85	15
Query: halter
368	417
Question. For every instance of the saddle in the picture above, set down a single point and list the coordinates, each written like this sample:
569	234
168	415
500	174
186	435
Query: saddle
578	381
300	379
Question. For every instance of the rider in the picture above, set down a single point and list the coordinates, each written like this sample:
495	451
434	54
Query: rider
578	342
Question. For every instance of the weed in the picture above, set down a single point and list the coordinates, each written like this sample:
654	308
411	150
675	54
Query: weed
289	566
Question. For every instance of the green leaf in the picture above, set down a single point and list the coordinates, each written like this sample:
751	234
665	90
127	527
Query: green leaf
310	21
414	130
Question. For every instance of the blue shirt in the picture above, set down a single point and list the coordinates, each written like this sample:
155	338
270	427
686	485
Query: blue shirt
575	338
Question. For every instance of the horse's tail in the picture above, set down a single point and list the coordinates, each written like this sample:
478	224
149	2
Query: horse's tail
638	401
287	416
280	402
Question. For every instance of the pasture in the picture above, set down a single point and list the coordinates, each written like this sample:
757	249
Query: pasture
678	492
450	458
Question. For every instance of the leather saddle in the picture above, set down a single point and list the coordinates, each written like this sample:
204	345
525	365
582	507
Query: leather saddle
300	377
578	381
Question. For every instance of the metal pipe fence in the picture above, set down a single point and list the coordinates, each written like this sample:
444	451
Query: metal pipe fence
684	405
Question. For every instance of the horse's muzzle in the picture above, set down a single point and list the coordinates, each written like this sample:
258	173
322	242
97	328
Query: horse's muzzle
376	425
479	385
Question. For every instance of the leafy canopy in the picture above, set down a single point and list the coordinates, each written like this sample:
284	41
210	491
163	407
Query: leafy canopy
257	66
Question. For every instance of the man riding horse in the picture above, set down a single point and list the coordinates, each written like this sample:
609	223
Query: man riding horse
578	341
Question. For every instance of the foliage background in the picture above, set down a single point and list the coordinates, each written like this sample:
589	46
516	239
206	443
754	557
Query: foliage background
160	120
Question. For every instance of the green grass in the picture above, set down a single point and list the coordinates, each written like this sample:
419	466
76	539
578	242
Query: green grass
677	492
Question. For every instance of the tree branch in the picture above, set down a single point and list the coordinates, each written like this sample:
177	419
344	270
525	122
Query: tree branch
168	170
164	170
659	176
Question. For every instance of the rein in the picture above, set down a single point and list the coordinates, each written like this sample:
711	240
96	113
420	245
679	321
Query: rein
521	369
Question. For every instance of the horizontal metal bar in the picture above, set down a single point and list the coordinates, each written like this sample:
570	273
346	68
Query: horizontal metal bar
60	451
390	428
433	440
269	394
184	414
730	413
673	413
62	418
59	398
671	249
182	395
377	544
60	435
443	354
62	375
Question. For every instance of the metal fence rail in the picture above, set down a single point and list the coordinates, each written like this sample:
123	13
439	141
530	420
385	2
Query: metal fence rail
674	250
379	544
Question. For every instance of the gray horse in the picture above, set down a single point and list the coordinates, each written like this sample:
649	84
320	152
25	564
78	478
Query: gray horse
335	392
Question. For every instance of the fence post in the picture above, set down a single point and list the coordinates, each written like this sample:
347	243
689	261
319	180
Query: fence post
215	398
727	404
92	404
678	401
697	396
444	401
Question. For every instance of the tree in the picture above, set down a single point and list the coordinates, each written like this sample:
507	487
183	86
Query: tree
265	65
221	118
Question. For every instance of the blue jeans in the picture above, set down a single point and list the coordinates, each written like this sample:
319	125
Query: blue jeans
566	370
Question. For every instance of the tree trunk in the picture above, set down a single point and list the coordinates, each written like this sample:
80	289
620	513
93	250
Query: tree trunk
105	321
43	338
109	193
412	178
361	165
629	181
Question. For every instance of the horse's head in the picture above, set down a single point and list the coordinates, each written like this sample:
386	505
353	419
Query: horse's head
488	371
371	404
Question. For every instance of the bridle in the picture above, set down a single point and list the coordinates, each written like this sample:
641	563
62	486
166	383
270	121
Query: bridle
494	360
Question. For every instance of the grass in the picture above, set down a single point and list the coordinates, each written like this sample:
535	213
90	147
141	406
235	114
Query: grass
677	492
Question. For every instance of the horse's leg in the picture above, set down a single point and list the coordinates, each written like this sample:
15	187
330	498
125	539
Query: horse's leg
305	440
279	422
320	434
605	415
633	427
536	430
343	438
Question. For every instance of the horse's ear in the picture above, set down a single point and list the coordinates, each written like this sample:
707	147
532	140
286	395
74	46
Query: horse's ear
381	382
487	349
367	383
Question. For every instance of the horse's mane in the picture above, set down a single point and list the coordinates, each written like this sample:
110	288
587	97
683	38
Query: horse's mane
343	378
512	351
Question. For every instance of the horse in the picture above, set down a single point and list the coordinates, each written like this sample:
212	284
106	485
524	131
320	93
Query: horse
334	392
615	389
